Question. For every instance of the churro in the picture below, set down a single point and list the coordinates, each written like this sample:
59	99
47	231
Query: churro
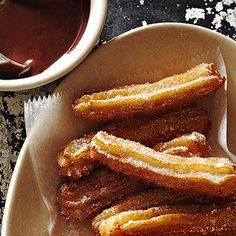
211	176
153	198
90	195
150	130
194	144
173	220
171	92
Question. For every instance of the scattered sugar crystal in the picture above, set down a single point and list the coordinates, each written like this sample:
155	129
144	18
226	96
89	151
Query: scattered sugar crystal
217	20
144	22
222	14
141	2
219	6
209	10
194	13
231	17
228	2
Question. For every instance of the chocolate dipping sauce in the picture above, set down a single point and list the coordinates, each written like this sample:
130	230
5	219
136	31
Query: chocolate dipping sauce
41	30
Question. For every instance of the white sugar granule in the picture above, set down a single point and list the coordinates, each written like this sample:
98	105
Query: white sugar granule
144	22
194	13
141	2
219	6
209	10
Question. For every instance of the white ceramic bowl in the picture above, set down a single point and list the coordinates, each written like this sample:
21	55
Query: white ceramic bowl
66	63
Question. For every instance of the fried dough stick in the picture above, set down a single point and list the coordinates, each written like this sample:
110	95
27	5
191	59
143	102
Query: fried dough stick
89	196
173	220
150	130
154	198
194	144
171	92
74	159
210	176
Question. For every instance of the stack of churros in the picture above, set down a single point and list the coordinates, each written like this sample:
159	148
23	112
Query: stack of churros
149	170
74	159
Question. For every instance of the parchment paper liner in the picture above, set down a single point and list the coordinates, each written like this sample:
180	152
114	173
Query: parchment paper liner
56	125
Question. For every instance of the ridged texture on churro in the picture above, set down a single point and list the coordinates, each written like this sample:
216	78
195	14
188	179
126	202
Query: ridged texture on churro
74	159
148	98
194	144
210	176
163	127
153	198
173	220
90	195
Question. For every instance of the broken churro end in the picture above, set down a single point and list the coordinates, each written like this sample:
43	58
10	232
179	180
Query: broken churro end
74	159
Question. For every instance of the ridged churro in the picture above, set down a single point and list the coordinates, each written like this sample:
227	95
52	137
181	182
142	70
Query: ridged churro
210	176
173	220
194	144
150	130
153	198
149	98
90	195
74	159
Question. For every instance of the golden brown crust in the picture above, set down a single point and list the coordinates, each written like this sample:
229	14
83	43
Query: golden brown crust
210	176
173	220
163	127
194	144
171	92
89	196
154	198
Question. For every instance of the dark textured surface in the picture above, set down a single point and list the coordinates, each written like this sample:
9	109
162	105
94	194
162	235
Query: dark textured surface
123	15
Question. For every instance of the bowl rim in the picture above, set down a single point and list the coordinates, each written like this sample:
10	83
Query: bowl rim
21	157
96	21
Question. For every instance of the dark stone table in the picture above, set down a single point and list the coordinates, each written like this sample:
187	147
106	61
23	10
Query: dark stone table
123	15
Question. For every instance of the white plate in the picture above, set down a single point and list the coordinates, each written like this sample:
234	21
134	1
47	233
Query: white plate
25	213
